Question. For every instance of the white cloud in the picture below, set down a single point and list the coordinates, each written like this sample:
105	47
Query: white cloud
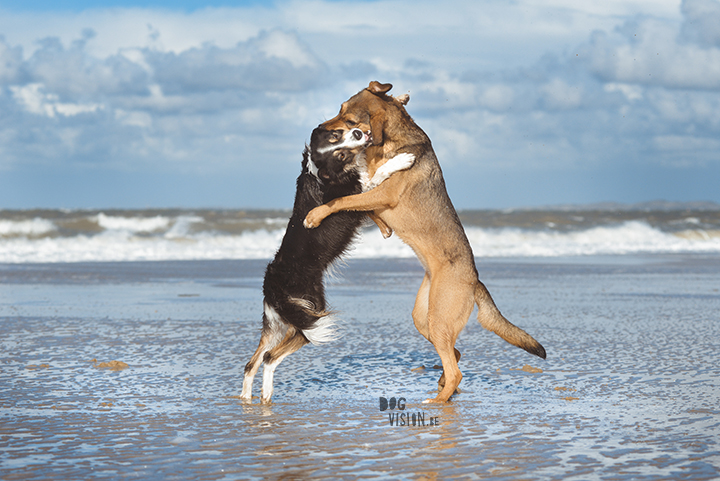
35	101
134	118
650	53
557	94
631	92
280	45
10	61
273	60
685	143
525	86
121	28
702	21
497	97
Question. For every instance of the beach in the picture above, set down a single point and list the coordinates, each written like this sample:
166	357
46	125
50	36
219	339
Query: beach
114	370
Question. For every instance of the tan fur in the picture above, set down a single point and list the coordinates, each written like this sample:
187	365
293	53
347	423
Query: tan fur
415	204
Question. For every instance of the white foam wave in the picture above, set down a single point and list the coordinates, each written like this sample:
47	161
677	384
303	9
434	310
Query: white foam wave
120	246
627	238
183	226
179	243
133	224
31	227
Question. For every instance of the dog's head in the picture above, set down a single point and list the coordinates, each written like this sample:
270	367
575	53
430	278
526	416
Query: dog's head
367	110
333	153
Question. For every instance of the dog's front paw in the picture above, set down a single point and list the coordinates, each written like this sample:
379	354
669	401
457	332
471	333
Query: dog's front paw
400	162
404	161
385	230
315	217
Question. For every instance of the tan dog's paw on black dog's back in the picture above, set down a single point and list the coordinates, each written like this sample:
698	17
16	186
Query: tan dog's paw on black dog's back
415	204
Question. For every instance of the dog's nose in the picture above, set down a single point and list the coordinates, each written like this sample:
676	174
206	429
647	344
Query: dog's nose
357	133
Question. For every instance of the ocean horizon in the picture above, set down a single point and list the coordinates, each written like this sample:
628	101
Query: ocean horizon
100	235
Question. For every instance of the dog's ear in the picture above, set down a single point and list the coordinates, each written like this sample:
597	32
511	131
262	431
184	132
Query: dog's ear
377	124
403	99
378	89
377	116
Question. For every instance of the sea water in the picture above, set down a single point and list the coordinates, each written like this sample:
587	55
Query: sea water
177	234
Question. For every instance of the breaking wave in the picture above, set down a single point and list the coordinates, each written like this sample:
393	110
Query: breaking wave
81	236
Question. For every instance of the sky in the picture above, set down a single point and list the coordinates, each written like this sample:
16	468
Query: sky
193	104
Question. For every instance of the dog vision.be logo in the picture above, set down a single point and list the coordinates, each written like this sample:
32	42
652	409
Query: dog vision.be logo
402	418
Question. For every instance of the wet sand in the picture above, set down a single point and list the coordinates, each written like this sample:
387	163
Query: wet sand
132	370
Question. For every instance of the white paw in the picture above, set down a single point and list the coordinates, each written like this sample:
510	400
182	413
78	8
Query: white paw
396	164
403	161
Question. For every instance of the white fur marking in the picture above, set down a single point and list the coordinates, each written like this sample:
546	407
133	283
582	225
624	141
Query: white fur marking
312	168
247	388
325	330
278	328
400	162
348	142
267	385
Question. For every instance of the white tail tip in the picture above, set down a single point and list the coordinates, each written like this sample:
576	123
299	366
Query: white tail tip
324	331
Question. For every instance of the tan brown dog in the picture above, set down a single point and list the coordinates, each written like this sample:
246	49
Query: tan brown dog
415	204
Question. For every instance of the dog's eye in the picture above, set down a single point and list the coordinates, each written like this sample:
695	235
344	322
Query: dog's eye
350	123
335	136
342	156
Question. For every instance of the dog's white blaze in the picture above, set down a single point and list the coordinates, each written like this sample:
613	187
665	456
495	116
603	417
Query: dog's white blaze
324	330
399	162
348	142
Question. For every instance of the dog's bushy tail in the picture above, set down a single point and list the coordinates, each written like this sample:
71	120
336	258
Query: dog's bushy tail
318	325
491	319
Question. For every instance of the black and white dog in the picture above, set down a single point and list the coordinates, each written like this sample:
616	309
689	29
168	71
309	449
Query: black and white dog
295	311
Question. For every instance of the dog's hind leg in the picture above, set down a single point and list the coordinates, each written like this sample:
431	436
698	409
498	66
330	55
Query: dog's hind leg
441	381
252	367
420	311
293	341
450	306
420	318
273	332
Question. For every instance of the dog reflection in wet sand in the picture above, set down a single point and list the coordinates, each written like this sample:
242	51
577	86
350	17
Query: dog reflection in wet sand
295	311
414	203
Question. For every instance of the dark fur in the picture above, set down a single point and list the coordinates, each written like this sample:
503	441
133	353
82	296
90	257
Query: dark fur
305	254
293	285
